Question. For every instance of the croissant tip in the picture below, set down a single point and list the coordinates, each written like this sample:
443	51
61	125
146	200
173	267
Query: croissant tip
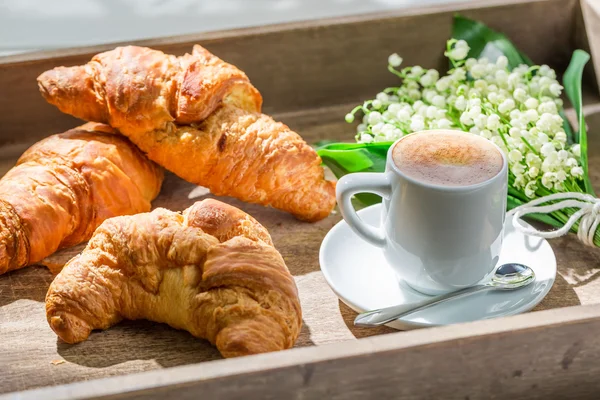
69	328
41	81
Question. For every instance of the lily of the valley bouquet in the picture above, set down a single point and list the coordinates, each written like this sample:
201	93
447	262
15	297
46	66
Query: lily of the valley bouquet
494	91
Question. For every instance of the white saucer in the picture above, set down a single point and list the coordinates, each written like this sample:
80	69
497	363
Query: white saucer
358	273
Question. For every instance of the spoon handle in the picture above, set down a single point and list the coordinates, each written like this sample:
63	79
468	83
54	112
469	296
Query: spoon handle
389	314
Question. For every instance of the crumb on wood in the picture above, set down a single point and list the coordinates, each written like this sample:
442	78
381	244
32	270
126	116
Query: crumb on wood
57	362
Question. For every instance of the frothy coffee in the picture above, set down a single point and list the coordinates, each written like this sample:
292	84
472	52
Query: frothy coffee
447	157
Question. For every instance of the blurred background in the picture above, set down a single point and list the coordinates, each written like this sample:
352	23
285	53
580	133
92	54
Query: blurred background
29	25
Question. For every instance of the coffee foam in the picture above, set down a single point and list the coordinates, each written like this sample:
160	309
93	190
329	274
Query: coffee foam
447	157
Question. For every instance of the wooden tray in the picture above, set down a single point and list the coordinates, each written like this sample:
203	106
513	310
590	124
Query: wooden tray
310	75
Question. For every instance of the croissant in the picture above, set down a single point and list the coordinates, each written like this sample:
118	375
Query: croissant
64	186
137	89
200	118
211	270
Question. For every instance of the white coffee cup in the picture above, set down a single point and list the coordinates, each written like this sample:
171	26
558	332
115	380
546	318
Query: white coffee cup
437	238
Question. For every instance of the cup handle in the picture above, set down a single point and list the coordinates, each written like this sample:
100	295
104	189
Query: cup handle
363	182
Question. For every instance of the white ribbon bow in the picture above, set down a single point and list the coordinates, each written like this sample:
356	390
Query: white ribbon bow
588	215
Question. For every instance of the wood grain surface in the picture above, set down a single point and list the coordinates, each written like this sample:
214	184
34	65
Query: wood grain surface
311	74
32	356
312	64
549	354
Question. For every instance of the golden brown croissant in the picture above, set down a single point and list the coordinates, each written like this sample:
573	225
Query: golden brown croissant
137	89
64	186
235	151
212	271
248	156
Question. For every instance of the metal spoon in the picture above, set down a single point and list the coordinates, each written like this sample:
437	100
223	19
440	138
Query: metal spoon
507	277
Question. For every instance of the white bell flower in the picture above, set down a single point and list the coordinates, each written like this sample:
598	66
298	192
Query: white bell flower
547	149
517	169
395	60
440	113
439	101
548	179
443	84
460	51
515	156
366	138
531	115
403	115
466	119
460	103
520	95
416	71
374	118
533	172
502	62
431	112
563	155
570	163
533	160
514	132
506	106
478	71
486	133
530	189
377	129
417	123
518	110
389	116
444	123
532	103
382	97
577	171
548	107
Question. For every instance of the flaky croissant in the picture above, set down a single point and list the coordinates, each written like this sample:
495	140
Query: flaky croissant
137	89
64	186
212	271
197	124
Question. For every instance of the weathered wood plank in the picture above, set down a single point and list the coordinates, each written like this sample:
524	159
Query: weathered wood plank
587	33
29	346
549	354
308	65
310	74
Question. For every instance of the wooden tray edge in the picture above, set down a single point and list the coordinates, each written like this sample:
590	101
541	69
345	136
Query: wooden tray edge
213	36
541	342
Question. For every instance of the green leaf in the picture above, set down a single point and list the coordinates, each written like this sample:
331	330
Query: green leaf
485	42
368	199
516	194
572	81
346	158
568	128
512	202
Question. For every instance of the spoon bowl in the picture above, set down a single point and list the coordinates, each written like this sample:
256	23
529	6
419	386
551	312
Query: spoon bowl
512	276
508	276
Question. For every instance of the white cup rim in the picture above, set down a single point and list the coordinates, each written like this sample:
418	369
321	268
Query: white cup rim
444	188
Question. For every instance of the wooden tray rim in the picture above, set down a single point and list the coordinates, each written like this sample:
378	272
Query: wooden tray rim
304	361
308	360
217	35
